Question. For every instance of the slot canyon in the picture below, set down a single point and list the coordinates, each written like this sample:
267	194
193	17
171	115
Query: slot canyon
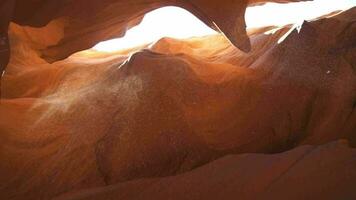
248	114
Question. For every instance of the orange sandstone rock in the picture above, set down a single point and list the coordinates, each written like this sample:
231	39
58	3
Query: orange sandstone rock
162	120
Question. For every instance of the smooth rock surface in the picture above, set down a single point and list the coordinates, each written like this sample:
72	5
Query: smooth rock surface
175	120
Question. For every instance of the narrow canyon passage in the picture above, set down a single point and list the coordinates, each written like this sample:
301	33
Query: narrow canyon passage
259	113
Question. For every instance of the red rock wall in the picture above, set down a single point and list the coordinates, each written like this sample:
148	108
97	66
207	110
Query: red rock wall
161	123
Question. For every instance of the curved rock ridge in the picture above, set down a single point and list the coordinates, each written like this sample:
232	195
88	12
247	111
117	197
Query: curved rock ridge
163	118
84	23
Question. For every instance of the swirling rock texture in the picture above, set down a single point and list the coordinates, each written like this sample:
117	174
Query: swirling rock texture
180	119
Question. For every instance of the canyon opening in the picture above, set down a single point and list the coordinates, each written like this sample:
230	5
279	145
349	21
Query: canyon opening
176	22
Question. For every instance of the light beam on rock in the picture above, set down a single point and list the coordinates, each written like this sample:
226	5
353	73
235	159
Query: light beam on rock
178	23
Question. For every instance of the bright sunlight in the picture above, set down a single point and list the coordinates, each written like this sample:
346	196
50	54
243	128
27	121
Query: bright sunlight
178	23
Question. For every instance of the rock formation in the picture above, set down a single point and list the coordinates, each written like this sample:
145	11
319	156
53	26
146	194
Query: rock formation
74	25
178	119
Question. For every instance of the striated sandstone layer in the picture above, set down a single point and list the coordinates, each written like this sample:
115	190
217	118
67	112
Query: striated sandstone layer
190	119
